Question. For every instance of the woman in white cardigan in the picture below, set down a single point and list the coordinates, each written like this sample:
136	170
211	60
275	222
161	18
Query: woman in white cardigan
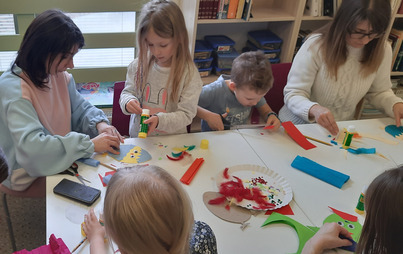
339	65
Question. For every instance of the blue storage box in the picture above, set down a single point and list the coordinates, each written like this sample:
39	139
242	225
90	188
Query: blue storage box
203	63
224	60
270	54
219	71
220	43
265	39
205	72
202	50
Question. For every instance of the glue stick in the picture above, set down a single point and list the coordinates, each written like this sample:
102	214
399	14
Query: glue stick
145	114
349	136
360	205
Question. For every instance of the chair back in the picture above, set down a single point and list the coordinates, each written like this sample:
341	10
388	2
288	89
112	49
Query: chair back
119	120
275	96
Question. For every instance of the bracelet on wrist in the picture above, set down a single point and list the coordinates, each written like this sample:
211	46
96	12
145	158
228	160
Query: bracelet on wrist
271	113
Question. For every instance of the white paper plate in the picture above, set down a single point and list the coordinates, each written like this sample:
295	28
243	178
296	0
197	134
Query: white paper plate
277	189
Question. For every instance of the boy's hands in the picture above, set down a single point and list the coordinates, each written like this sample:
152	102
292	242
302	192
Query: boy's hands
133	107
215	121
273	121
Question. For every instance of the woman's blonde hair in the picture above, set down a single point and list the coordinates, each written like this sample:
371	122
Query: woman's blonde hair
383	227
351	12
167	21
146	210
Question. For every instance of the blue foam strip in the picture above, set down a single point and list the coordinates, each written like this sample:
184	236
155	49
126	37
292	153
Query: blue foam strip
89	161
325	174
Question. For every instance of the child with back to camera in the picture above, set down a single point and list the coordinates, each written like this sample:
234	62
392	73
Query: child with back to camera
382	231
228	101
163	78
146	210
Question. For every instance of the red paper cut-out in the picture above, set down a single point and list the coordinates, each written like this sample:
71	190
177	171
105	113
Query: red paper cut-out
295	134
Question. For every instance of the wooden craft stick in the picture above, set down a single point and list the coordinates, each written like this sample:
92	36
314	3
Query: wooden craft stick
78	246
108	166
192	170
317	140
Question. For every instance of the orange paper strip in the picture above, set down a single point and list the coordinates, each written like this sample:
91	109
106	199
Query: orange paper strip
191	172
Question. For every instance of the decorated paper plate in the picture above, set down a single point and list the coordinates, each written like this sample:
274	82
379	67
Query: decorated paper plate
273	188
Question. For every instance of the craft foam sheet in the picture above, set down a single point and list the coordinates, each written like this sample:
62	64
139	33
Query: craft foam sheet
131	154
395	131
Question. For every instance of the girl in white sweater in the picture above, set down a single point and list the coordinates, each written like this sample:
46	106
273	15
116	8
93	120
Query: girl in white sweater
339	65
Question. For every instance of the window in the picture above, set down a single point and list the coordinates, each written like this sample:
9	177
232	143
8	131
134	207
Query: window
107	23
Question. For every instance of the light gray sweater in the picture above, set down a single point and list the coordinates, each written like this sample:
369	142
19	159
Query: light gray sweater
173	117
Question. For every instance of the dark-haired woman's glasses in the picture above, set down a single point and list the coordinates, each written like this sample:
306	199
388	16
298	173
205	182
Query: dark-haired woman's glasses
358	35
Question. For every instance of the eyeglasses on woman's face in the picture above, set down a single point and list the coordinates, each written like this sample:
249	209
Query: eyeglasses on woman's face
360	35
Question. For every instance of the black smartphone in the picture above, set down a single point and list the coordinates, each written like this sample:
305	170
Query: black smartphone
76	191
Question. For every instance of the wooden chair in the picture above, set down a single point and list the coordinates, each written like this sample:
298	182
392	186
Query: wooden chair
275	96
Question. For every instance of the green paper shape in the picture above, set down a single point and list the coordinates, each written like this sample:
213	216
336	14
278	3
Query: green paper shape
354	227
304	233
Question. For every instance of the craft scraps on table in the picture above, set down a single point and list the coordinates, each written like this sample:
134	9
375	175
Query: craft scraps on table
295	134
325	174
131	154
178	156
253	187
184	148
105	180
395	131
362	150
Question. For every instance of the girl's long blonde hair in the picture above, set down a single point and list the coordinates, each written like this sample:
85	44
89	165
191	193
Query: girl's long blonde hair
146	210
167	21
351	12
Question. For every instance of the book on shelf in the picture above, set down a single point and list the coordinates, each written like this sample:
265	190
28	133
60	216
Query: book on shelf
328	8
224	9
216	6
396	35
232	8
239	10
247	10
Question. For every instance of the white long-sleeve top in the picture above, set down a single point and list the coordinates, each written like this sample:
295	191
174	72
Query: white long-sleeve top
309	84
173	117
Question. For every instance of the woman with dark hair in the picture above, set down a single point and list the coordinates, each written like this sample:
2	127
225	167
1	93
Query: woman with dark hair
340	64
382	230
45	124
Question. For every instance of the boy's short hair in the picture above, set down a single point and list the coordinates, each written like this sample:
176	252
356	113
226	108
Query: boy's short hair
252	69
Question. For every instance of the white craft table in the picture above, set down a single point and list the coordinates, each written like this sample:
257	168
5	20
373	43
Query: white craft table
278	150
275	151
226	148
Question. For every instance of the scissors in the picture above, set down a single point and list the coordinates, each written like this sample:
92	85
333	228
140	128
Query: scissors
73	171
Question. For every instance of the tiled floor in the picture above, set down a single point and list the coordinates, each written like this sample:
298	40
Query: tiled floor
28	216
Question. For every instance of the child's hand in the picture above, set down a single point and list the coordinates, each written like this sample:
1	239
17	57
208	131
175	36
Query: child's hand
133	107
152	123
106	143
214	121
327	238
93	229
273	121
